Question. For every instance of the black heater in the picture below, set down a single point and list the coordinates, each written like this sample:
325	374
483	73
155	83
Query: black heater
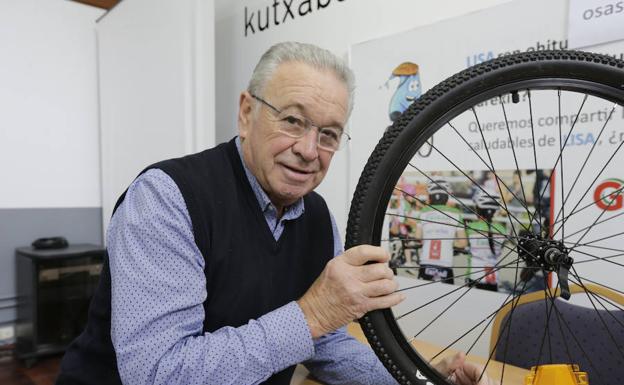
54	288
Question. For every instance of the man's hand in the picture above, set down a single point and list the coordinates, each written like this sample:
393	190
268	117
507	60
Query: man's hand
348	288
461	372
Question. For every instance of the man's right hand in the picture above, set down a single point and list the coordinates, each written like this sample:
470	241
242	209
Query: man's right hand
348	288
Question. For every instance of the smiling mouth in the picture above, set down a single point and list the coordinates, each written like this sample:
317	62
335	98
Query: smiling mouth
304	172
410	98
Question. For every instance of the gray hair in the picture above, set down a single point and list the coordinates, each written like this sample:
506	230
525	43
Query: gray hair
309	54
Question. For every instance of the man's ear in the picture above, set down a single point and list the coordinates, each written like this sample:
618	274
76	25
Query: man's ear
245	111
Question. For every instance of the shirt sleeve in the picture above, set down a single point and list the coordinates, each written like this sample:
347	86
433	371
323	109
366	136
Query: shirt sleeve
339	358
158	288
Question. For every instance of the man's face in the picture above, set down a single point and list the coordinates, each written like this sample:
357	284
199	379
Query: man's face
288	168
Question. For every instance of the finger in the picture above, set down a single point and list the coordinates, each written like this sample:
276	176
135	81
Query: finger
457	361
461	378
359	255
469	373
449	365
385	301
375	272
380	288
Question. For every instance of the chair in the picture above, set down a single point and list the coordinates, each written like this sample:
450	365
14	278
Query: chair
576	334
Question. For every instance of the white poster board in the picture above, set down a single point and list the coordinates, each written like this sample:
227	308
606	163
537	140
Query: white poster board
592	22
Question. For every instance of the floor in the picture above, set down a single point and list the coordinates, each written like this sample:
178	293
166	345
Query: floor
42	373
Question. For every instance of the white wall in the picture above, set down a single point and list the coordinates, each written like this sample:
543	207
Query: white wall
156	74
49	152
335	27
49	136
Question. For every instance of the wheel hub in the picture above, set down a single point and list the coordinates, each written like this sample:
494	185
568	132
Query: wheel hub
549	255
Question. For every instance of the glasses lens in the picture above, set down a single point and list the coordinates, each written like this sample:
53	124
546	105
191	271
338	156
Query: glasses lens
331	138
293	125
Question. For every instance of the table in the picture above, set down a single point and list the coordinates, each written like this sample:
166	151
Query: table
513	374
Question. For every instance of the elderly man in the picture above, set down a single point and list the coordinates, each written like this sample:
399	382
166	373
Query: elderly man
221	267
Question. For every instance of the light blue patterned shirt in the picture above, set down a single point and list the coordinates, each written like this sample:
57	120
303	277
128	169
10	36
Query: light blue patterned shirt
158	289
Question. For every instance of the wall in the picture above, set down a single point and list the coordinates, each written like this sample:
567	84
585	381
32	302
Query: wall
335	27
49	139
156	76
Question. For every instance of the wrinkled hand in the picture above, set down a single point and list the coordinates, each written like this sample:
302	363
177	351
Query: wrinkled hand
461	372
348	288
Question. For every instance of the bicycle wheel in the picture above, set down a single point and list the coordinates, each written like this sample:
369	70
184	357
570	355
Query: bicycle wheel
537	137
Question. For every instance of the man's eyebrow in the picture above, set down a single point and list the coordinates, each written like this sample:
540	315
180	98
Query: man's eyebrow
302	109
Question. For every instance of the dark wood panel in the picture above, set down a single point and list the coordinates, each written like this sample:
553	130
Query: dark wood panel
105	4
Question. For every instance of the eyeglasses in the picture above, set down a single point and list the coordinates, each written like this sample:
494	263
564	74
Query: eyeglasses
296	126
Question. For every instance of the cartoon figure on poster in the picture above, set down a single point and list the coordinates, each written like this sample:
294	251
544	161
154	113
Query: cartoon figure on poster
409	88
486	241
441	232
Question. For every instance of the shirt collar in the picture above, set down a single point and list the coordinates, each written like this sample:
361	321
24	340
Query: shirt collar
290	212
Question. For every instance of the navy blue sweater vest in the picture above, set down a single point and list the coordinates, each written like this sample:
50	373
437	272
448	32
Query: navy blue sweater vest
248	273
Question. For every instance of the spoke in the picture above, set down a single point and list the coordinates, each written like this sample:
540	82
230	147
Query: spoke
424	220
600	284
513	150
597	240
455	219
587	206
565	342
514	305
472	180
460	202
443	311
466	267
597	247
436	239
603	212
540	195
457	276
595	224
561	163
600	259
600	298
461	224
509	328
585	162
580	346
522	201
539	203
456	198
494	269
490	317
547	295
595	179
487	151
598	312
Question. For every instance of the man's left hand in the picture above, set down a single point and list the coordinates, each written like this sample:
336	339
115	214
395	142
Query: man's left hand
461	372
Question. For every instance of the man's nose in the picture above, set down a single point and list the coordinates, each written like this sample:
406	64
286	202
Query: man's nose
307	145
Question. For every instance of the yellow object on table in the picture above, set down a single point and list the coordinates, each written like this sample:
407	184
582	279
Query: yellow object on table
560	374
